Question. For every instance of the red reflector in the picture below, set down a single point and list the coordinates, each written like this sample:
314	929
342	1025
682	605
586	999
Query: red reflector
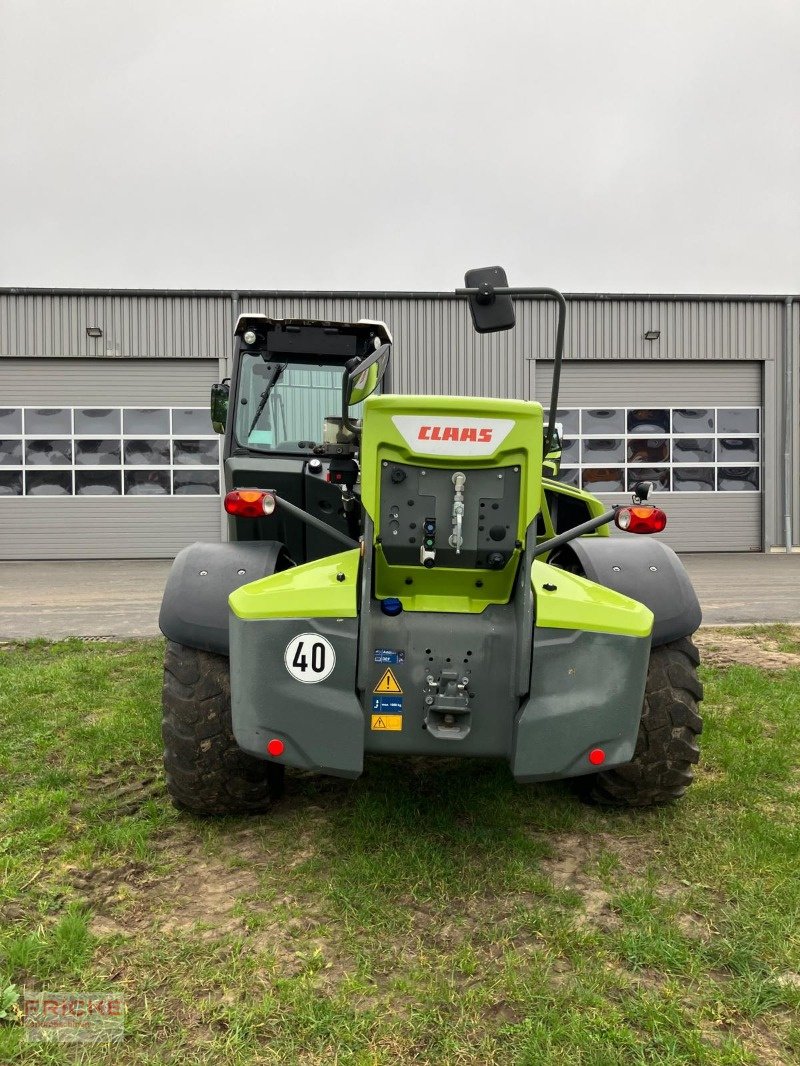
640	519
597	756
276	747
249	503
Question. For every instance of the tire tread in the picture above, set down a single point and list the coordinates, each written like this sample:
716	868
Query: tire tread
206	771
666	748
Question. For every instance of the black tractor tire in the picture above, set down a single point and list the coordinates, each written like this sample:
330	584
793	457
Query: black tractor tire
666	748
206	771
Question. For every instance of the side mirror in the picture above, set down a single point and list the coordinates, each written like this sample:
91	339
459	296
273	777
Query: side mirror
552	457
220	394
490	313
366	376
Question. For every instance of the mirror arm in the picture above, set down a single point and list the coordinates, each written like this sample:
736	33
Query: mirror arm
486	293
577	531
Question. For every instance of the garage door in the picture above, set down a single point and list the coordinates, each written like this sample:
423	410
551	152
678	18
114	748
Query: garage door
104	459
694	429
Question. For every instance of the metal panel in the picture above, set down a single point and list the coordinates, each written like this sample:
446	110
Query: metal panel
115	382
94	528
644	383
161	327
613	328
435	341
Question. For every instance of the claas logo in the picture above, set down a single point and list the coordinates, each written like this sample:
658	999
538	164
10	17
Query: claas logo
459	433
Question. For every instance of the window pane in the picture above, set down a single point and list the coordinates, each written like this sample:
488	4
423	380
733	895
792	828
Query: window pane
205	452
607	479
693	450
48	452
48	483
693	479
48	420
97	420
737	420
693	420
569	422
10	483
570	451
191	420
98	483
145	420
147	482
604	451
97	452
737	479
648	420
658	475
195	483
603	420
738	449
648	450
10	419
147	452
569	475
10	453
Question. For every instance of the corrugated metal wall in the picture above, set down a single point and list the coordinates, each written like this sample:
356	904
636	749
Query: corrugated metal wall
649	384
111	382
134	327
428	330
118	528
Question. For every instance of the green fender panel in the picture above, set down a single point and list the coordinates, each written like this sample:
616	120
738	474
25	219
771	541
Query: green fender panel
566	601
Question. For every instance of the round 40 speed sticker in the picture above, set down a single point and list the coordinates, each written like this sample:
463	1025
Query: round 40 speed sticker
309	658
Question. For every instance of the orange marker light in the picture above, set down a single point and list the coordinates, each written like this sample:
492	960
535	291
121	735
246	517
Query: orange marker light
640	519
276	747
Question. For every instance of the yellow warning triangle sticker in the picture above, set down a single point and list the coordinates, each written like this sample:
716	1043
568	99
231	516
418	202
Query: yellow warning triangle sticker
388	683
378	723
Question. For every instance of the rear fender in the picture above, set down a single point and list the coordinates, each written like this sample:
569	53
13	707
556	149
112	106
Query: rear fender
643	569
194	610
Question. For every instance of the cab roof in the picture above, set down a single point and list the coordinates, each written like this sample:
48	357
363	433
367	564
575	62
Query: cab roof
363	329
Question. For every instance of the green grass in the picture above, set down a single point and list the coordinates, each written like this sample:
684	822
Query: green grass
432	913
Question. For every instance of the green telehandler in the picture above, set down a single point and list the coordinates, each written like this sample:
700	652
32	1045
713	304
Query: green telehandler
406	575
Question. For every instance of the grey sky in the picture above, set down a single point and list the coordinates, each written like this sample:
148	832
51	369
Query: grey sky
623	145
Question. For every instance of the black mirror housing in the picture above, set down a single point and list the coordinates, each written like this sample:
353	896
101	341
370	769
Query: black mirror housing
490	313
220	393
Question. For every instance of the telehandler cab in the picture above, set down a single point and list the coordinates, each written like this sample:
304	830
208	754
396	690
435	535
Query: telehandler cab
405	575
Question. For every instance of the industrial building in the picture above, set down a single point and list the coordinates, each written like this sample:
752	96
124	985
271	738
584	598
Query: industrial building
106	449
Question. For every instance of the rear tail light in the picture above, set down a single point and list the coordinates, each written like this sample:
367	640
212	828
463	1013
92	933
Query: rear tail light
250	503
640	519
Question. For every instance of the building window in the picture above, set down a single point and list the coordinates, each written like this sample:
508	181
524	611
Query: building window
679	449
108	451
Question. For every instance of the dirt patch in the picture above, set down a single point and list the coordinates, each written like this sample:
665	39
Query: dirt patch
567	870
200	894
723	647
211	896
694	926
572	867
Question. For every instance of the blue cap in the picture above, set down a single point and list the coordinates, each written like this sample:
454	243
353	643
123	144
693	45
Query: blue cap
391	606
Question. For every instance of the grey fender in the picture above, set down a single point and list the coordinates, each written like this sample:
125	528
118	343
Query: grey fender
644	569
194	610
